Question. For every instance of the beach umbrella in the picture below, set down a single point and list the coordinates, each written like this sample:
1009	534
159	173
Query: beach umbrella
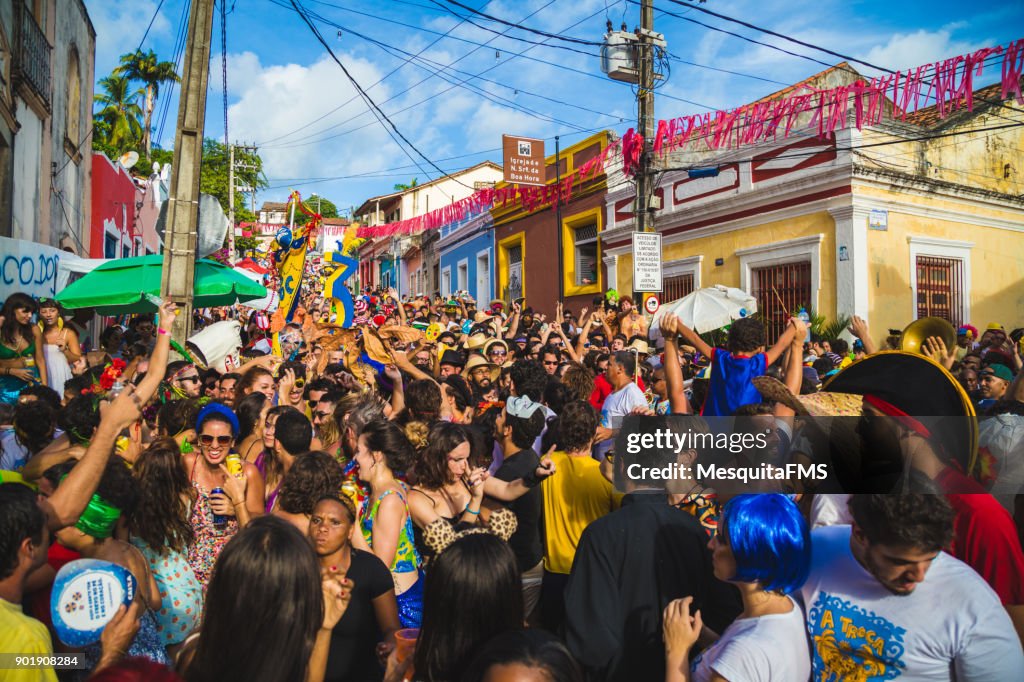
706	309
132	285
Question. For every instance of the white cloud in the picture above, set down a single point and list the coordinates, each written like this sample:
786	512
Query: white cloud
905	50
120	26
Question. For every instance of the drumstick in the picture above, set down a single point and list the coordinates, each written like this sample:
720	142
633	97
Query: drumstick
779	299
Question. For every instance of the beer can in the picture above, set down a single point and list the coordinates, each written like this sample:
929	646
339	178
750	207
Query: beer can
220	521
234	464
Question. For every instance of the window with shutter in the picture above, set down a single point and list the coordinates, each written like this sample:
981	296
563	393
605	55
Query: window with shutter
585	256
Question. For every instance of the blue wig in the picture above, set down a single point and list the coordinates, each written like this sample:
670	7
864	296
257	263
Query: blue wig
226	415
769	539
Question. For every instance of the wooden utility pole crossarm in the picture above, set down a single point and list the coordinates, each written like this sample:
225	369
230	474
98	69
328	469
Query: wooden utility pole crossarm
183	210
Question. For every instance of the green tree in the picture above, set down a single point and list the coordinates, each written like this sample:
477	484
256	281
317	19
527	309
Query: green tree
214	175
326	207
117	121
400	187
145	68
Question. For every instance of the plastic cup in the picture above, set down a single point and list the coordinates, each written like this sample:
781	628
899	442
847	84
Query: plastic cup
405	643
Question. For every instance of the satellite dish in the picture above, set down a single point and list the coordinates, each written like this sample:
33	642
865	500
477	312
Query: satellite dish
129	159
212	228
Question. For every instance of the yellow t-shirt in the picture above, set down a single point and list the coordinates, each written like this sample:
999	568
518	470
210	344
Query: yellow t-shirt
21	634
575	496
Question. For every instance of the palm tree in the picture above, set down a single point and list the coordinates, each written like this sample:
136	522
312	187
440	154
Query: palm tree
120	113
400	187
146	69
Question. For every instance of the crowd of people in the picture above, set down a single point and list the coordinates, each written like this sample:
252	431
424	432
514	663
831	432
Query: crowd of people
434	493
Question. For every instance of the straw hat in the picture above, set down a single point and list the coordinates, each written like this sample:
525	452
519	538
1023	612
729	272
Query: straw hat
640	346
813	405
476	342
477	360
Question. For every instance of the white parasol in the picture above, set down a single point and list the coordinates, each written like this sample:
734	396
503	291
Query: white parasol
706	309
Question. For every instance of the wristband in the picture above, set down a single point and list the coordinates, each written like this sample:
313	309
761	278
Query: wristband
467	510
161	330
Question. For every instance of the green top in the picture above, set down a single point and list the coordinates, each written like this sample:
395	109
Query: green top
10	354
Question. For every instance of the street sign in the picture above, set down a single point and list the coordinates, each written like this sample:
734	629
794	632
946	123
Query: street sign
646	261
651	304
524	160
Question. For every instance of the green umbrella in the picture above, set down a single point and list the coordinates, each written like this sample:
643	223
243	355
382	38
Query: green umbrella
130	285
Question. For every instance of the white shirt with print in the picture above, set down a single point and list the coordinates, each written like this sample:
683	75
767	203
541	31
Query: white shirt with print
951	627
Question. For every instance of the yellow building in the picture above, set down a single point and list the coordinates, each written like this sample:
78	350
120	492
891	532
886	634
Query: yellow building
877	223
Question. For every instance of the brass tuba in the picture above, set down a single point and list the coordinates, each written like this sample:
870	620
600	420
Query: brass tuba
919	330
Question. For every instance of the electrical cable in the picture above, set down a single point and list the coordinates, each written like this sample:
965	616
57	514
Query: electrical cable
381	116
553	36
298	143
301	141
224	66
378	82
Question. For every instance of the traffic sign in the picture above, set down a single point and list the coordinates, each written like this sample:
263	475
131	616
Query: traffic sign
651	304
646	261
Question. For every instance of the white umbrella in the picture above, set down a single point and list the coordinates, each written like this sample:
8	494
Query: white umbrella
269	302
709	308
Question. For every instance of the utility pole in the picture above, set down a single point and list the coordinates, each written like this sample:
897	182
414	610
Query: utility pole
231	203
645	115
177	281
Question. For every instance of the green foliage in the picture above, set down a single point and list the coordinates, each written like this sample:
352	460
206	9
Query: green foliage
822	327
326	206
400	187
245	245
145	68
117	126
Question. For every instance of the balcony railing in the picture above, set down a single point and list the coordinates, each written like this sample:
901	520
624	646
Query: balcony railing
32	54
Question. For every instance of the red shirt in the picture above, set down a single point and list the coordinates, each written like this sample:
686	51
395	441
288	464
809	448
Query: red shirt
603	389
985	537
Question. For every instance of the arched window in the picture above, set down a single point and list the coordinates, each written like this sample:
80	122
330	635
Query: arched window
73	124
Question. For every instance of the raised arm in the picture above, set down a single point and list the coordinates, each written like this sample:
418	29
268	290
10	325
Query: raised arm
859	328
781	345
40	357
66	504
794	375
695	340
673	369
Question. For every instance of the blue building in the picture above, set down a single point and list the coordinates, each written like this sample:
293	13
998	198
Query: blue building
467	257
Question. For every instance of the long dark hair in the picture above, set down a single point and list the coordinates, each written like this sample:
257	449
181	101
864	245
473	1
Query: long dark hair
264	607
431	470
161	518
387	438
248	410
472	592
248	380
533	648
17	301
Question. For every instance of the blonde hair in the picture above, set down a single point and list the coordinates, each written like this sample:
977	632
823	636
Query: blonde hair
417	432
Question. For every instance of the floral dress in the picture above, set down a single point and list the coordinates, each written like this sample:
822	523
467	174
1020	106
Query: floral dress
407	560
182	595
208	540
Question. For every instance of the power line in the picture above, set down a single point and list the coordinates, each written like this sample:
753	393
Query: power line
381	116
150	25
379	81
797	41
179	53
298	143
224	65
372	174
554	36
396	95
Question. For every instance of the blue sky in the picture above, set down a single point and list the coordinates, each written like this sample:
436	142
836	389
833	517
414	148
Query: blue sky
316	135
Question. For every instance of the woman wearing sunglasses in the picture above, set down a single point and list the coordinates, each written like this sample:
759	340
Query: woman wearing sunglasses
215	517
291	384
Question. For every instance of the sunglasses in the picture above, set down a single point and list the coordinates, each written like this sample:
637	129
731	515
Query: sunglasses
207	439
194	377
299	383
321	415
551	362
498	352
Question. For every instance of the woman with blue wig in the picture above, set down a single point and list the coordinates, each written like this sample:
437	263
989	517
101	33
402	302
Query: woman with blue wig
763	547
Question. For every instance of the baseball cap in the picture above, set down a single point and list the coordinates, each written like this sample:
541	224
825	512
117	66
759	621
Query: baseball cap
1001	371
